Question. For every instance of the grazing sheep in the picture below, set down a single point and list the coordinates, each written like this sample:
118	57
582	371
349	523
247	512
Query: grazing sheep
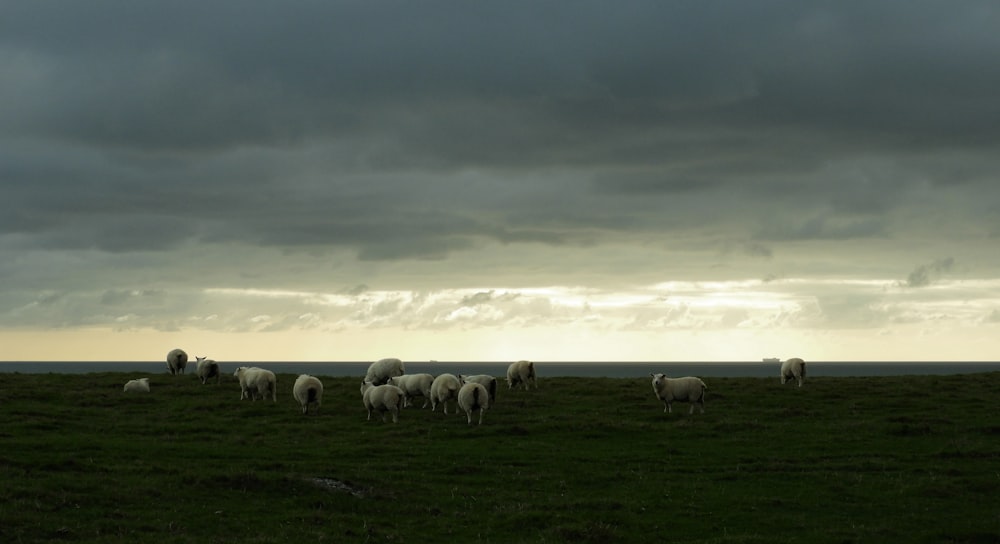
177	359
207	369
380	371
256	382
471	397
137	386
793	368
523	373
689	389
444	388
382	398
487	381
414	385
308	390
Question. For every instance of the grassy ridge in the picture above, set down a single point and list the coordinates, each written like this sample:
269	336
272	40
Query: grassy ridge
905	459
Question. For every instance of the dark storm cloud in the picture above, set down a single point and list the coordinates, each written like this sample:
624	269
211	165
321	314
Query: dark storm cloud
414	130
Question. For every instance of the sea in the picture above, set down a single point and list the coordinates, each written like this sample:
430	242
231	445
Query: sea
611	369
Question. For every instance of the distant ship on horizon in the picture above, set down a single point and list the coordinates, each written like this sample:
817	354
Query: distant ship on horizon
772	360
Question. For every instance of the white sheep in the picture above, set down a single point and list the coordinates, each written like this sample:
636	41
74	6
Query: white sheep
137	386
382	398
444	388
487	381
689	389
308	390
471	397
256	382
207	369
380	371
521	372
414	385
793	368
176	361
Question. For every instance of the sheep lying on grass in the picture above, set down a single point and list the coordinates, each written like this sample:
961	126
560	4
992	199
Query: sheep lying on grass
689	389
207	369
308	390
414	385
382	398
176	361
487	381
256	382
380	371
793	368
471	397
137	386
444	388
521	373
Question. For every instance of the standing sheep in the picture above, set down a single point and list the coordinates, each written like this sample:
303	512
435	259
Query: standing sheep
256	382
308	390
414	385
444	388
689	389
793	368
471	397
523	373
207	369
380	371
177	359
487	381
137	386
382	398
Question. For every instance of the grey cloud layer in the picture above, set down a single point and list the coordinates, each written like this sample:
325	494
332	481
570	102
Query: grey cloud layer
426	131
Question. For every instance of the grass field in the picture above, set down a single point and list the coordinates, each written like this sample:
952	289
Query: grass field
879	459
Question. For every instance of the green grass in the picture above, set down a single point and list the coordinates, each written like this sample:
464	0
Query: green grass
886	459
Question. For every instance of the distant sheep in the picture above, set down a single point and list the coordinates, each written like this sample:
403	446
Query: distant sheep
487	381
177	359
414	385
793	368
207	369
444	388
256	382
471	397
382	398
521	373
308	390
380	371
689	389
137	386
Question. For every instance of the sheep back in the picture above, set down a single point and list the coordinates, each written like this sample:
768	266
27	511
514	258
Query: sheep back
207	369
521	373
140	385
380	371
793	369
471	397
487	381
176	361
308	390
444	388
382	398
414	385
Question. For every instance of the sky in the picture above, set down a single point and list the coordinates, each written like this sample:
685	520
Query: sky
493	181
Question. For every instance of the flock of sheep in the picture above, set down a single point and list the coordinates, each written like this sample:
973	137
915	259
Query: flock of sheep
387	389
